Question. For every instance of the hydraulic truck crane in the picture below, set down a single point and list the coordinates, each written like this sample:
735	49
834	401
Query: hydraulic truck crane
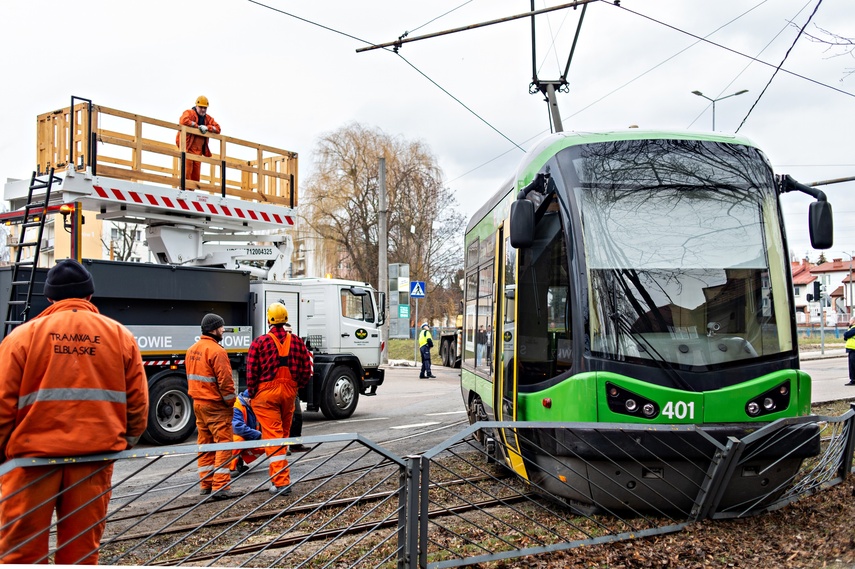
221	246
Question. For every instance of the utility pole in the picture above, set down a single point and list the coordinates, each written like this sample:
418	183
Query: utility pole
382	239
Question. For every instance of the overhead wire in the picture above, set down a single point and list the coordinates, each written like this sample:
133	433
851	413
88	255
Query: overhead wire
724	47
554	36
440	16
744	69
479	117
651	69
786	55
419	71
616	89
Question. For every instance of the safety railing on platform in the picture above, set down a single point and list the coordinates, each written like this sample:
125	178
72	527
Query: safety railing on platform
354	504
133	147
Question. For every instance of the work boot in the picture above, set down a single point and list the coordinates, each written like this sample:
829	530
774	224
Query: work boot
300	448
431	376
850	383
279	490
224	494
204	491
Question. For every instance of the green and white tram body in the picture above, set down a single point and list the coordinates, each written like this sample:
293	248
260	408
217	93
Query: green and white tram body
653	288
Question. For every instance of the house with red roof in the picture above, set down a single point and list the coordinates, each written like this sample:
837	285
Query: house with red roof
836	278
803	280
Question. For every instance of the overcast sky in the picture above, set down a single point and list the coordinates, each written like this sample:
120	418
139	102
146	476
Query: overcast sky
276	79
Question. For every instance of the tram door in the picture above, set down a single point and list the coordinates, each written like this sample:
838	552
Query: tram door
503	341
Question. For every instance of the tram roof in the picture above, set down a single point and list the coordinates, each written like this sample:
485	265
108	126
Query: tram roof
552	143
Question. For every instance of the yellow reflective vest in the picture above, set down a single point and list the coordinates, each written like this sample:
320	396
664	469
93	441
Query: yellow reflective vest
424	338
850	343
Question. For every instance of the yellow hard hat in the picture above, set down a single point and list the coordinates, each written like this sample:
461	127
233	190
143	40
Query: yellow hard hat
277	314
202	101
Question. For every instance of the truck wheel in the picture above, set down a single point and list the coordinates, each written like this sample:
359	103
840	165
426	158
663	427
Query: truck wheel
443	354
170	416
341	393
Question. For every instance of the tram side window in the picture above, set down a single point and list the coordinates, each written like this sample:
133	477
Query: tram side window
484	333
472	253
470	323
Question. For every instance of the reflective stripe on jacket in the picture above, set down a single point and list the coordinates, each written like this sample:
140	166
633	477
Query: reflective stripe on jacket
424	338
209	372
73	384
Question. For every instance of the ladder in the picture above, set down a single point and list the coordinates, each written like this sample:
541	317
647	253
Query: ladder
24	272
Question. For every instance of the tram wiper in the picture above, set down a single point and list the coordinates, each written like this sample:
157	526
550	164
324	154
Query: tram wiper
623	327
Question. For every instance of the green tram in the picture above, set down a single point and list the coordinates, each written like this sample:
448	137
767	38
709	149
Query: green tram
634	277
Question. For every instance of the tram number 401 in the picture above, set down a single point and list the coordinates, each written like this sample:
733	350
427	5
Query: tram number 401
679	410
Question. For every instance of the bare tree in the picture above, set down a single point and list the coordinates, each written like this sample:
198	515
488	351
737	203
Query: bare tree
836	45
120	245
425	229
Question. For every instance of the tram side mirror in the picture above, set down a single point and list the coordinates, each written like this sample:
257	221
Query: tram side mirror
821	225
522	224
820	222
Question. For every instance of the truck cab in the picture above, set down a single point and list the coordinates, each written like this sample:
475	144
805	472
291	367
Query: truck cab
340	321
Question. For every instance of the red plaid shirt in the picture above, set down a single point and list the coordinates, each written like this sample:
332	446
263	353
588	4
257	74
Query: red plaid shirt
263	359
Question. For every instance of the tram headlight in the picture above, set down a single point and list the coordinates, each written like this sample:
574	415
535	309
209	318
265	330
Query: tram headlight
772	401
624	402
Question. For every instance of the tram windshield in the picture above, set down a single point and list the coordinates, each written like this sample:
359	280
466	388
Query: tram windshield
684	251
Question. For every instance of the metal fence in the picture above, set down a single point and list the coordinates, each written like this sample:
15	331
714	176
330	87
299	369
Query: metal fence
354	504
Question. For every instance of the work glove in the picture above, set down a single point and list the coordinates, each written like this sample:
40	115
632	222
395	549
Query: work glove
132	442
203	128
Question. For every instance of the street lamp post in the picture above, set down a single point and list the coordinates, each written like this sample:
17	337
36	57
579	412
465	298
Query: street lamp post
848	297
714	101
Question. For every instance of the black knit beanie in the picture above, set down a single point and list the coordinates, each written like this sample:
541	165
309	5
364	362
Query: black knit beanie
211	322
68	279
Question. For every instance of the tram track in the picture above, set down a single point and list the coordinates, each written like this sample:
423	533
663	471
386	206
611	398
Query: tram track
322	535
263	515
305	459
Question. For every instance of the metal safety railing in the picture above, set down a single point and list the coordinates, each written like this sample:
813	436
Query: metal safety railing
354	504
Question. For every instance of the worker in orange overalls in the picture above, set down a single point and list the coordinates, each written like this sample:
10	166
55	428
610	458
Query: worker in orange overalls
197	117
278	364
245	428
210	384
73	385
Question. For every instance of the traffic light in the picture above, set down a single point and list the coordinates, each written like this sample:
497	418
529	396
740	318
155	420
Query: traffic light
809	297
817	292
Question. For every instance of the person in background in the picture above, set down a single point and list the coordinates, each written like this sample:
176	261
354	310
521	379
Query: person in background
210	384
849	336
197	117
73	385
278	365
244	428
480	345
425	344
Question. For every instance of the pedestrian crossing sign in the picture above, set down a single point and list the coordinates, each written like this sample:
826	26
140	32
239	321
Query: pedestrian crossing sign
417	289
